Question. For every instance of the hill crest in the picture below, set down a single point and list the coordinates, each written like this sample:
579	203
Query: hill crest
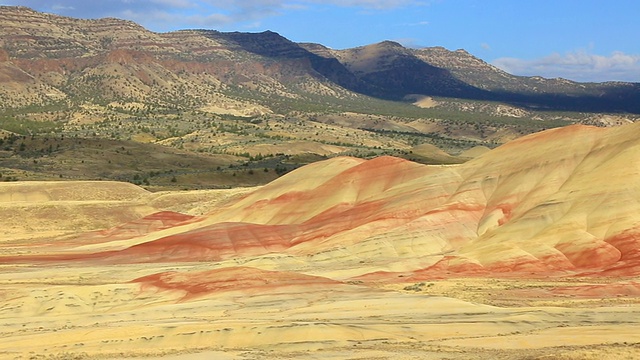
56	50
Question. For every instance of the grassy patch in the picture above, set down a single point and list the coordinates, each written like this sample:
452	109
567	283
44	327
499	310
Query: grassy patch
26	127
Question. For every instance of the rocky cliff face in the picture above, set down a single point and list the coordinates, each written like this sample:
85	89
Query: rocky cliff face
48	59
113	60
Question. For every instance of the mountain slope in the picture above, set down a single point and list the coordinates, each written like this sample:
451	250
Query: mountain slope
396	72
126	63
63	62
437	71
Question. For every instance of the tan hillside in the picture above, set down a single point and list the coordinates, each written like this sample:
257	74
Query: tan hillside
474	152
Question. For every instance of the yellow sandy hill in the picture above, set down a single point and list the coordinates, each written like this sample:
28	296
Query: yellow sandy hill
554	202
337	256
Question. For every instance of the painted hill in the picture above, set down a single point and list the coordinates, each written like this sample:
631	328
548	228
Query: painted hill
550	203
381	257
556	202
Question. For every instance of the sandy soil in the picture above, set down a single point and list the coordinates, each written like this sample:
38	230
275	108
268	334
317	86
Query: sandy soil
94	311
204	310
422	101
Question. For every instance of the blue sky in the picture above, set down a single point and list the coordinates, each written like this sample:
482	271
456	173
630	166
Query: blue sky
582	40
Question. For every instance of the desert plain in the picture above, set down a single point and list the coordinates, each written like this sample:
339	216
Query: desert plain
528	251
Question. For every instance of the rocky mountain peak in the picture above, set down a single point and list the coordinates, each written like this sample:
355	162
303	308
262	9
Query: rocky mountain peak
390	44
59	51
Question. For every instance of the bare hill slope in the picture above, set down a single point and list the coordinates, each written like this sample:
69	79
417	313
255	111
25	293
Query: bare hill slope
563	201
58	62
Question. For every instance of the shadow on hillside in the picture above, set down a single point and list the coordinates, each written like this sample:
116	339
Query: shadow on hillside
410	75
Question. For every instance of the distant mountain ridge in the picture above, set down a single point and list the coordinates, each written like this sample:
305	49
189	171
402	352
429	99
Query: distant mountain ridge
440	72
48	60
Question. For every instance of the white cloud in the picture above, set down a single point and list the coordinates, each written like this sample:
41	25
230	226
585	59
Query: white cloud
163	15
174	3
96	7
578	66
413	24
61	7
373	4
